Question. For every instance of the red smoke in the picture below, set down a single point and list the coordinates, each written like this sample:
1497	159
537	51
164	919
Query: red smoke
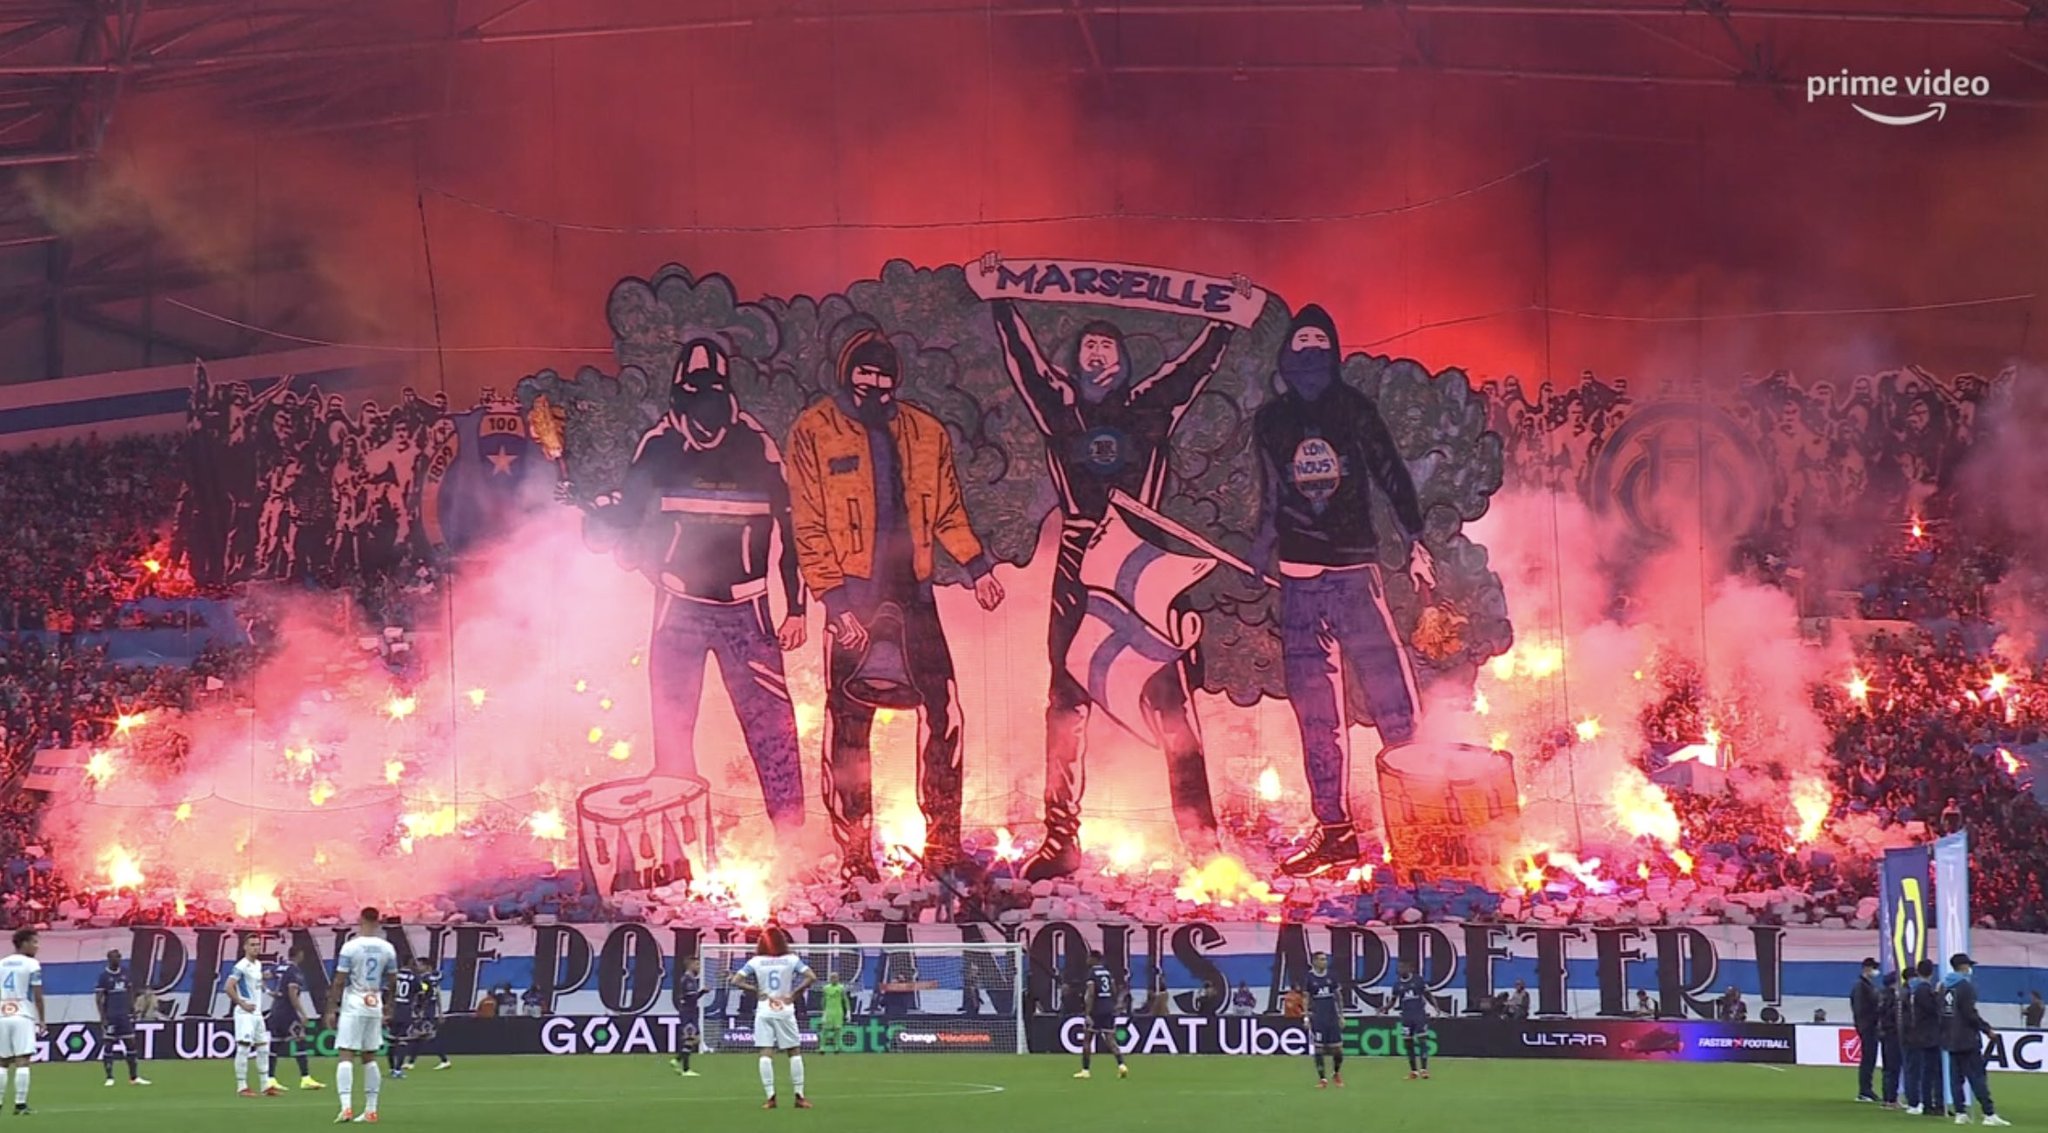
1660	200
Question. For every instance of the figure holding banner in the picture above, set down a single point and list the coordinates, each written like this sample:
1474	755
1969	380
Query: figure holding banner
1322	448
1106	434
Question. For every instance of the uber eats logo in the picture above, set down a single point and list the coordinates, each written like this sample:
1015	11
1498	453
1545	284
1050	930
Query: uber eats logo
874	1038
1363	1039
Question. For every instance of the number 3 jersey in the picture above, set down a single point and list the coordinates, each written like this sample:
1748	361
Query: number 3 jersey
776	977
364	962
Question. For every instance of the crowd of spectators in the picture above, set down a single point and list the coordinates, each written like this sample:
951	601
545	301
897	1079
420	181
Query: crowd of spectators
87	533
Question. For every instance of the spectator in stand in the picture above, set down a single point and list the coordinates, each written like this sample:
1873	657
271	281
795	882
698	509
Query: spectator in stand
1294	1004
1730	1008
1646	1008
1518	1001
2032	1012
1242	1001
487	1007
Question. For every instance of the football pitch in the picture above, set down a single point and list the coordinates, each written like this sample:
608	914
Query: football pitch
997	1094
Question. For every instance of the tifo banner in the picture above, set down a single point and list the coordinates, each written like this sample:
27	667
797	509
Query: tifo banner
1372	1036
1952	895
1904	917
1171	291
1830	1045
628	969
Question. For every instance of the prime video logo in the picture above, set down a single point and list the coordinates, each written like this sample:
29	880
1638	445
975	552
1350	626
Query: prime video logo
1928	84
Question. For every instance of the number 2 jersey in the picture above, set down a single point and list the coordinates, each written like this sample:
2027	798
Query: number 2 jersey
364	962
776	977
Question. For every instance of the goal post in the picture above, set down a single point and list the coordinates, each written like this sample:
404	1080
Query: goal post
964	998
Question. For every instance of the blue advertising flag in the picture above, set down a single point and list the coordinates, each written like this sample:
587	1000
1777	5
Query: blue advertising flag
1952	894
1904	914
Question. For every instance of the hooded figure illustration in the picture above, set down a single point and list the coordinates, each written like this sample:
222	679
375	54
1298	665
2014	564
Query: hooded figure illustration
1105	432
701	501
1323	449
873	494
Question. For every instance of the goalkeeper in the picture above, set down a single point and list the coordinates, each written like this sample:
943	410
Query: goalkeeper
833	1020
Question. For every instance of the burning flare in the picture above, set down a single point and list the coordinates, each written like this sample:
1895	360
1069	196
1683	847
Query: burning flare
547	825
127	722
1811	799
100	767
1223	881
394	770
120	868
1642	808
400	707
1269	785
256	896
1588	729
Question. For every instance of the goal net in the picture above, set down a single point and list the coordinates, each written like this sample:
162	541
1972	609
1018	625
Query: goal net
953	998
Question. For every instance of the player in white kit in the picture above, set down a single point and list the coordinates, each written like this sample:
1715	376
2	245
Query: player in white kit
777	978
245	989
21	1015
358	1010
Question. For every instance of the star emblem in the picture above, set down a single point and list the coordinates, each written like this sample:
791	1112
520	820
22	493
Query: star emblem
502	461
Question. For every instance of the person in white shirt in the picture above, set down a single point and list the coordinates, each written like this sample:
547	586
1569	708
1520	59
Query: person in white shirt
776	977
358	1010
21	1014
245	989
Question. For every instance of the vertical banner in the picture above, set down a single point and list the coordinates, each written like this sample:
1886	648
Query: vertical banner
1952	894
1903	915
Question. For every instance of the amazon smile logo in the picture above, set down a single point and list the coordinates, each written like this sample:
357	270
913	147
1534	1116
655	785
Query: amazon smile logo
1931	90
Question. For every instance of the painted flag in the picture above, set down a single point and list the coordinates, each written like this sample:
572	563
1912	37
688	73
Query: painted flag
477	476
1137	564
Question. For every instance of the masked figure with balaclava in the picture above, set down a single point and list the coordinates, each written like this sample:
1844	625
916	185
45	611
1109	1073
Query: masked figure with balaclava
703	494
873	491
1106	432
1322	446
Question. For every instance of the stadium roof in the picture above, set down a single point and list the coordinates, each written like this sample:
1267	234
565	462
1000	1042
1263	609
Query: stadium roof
77	296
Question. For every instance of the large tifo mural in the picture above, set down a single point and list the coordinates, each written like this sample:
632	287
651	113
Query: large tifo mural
1244	511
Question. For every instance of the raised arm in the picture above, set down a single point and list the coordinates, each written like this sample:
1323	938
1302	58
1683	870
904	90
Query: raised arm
1045	388
1180	381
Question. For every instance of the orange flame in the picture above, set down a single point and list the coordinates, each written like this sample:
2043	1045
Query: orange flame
256	896
120	867
100	767
1812	801
547	825
1269	785
1588	729
2012	763
1642	808
477	697
1223	881
399	707
127	722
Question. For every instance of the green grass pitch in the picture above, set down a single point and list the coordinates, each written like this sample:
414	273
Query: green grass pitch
997	1094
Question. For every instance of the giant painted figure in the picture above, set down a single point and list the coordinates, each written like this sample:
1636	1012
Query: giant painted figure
1105	432
1322	446
703	494
874	493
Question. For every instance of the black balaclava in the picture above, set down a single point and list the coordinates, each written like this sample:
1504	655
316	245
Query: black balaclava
1094	391
1311	371
700	393
869	349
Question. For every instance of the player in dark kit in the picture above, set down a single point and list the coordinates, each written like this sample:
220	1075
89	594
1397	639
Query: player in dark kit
1325	1020
116	1001
1102	992
404	983
1106	430
1411	1000
287	1022
423	1026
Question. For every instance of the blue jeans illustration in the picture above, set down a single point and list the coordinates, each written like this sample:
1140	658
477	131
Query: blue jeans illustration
1334	623
750	663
